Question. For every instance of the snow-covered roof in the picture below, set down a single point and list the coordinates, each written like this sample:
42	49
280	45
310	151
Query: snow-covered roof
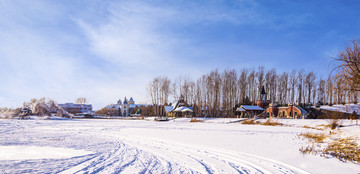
131	99
138	105
113	106
250	107
169	108
184	109
240	109
174	104
74	105
303	111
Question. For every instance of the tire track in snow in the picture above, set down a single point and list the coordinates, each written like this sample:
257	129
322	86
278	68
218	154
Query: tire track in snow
144	155
214	160
123	159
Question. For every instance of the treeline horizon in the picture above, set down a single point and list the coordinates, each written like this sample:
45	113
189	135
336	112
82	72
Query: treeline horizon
223	91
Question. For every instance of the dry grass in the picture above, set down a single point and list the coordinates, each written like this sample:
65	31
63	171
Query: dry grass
310	127
334	123
345	149
309	150
314	137
194	120
270	122
250	121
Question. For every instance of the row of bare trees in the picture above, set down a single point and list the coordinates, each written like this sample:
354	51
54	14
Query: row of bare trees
159	90
222	91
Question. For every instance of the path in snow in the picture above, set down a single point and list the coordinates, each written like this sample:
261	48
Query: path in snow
151	156
147	155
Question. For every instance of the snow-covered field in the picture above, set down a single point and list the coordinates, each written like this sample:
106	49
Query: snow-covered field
177	146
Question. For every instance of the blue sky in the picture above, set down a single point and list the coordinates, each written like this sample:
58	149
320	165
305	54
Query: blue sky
104	50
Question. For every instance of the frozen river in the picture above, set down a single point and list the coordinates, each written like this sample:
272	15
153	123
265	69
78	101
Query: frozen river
140	146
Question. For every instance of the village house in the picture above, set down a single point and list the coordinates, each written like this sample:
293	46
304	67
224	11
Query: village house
249	111
179	109
290	111
264	107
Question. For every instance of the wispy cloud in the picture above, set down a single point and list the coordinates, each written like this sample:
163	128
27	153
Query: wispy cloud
130	35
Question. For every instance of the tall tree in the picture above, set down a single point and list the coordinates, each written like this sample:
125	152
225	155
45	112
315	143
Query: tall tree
243	85
292	84
321	90
300	77
330	89
309	84
252	86
349	67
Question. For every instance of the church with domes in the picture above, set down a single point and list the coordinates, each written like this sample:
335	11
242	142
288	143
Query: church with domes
126	107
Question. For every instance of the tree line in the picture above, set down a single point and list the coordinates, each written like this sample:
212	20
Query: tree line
218	93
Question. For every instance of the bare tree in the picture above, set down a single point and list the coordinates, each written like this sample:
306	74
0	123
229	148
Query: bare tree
300	77
271	84
260	77
309	84
44	107
330	89
165	90
340	90
292	84
229	89
216	77
81	100
283	87
252	87
349	67
153	90
321	90
243	85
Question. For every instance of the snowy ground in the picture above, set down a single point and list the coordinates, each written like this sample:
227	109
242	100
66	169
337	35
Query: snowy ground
177	146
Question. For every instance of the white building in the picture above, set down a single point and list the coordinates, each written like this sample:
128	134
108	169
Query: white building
77	108
125	108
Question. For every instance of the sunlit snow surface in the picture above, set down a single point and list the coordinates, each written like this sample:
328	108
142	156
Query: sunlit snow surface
36	152
141	146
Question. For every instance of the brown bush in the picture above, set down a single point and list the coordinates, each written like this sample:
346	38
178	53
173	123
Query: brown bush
249	121
309	127
334	123
309	150
194	120
345	149
314	137
270	122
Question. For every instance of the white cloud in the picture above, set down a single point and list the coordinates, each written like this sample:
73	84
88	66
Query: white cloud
130	35
104	50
